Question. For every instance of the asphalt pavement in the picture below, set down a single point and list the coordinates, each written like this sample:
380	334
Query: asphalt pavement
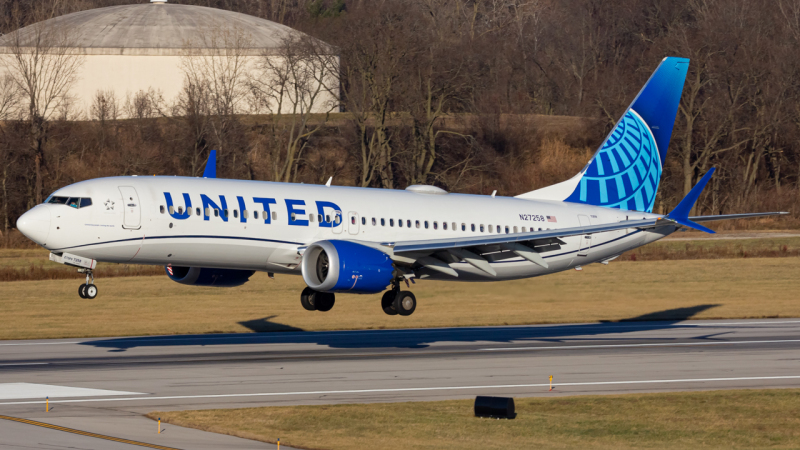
103	385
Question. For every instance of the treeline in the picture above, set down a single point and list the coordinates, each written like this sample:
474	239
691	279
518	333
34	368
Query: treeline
465	94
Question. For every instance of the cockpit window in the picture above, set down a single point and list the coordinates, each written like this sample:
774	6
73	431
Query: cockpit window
75	202
58	200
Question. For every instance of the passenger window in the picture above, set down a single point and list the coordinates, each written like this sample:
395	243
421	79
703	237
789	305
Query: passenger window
255	214
472	227
408	224
197	211
208	212
225	211
374	222
172	210
338	219
363	221
216	213
491	229
235	213
391	222
319	217
274	215
506	229
311	218
435	225
400	223
444	225
328	218
463	227
417	223
294	217
353	220
515	230
426	224
383	222
86	202
499	229
481	228
161	208
454	227
180	210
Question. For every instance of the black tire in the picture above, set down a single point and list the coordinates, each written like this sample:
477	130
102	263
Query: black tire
405	303
82	290
90	291
387	302
325	301
307	299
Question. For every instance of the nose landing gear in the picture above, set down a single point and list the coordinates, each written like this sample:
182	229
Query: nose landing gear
87	290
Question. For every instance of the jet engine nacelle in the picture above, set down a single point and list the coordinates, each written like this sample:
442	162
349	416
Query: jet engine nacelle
343	266
203	276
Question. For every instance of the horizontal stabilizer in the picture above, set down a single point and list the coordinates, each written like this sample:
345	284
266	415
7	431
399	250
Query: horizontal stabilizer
735	216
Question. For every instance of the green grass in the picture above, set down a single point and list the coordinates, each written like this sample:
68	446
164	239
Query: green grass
703	289
715	419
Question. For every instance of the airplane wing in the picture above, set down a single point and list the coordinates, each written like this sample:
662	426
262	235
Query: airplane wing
480	251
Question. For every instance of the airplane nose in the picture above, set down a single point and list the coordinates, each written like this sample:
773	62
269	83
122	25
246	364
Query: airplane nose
35	224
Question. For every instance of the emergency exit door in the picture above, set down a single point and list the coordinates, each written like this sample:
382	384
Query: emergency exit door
586	239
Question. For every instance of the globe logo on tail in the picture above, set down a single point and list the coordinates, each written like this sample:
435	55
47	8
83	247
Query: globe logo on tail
625	172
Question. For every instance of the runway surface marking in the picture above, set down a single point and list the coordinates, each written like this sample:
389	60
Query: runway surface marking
443	388
24	364
85	433
11	391
568	347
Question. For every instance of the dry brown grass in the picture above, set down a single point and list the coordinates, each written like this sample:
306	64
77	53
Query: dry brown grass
736	288
716	419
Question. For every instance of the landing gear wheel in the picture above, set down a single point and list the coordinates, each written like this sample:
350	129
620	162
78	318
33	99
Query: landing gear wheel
324	301
82	290
405	303
90	291
307	299
387	302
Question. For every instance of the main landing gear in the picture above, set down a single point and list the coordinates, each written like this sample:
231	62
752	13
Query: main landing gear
317	301
399	302
88	289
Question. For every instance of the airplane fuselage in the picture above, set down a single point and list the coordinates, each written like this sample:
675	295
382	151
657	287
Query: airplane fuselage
264	226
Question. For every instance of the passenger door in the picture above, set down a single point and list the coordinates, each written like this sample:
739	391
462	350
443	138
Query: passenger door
352	220
586	239
131	209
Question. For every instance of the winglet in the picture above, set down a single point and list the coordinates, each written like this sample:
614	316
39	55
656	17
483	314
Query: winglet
211	165
681	212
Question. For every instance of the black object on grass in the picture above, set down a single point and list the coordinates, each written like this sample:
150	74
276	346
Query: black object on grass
495	407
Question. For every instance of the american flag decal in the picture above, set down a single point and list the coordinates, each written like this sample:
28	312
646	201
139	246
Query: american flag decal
551	219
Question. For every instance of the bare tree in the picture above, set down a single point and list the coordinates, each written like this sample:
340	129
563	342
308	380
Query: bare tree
293	84
218	63
9	109
44	64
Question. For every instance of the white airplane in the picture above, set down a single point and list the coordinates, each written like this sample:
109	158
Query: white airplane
215	232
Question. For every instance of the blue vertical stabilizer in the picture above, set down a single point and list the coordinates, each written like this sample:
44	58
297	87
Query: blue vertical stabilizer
211	165
626	170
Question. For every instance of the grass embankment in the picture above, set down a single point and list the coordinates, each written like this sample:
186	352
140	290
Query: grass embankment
716	419
727	288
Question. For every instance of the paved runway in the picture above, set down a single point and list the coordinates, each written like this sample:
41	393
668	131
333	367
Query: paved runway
242	370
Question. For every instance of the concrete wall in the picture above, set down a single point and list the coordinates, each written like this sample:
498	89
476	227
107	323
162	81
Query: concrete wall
125	75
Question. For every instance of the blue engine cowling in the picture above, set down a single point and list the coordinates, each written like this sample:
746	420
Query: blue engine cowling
203	276
343	266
